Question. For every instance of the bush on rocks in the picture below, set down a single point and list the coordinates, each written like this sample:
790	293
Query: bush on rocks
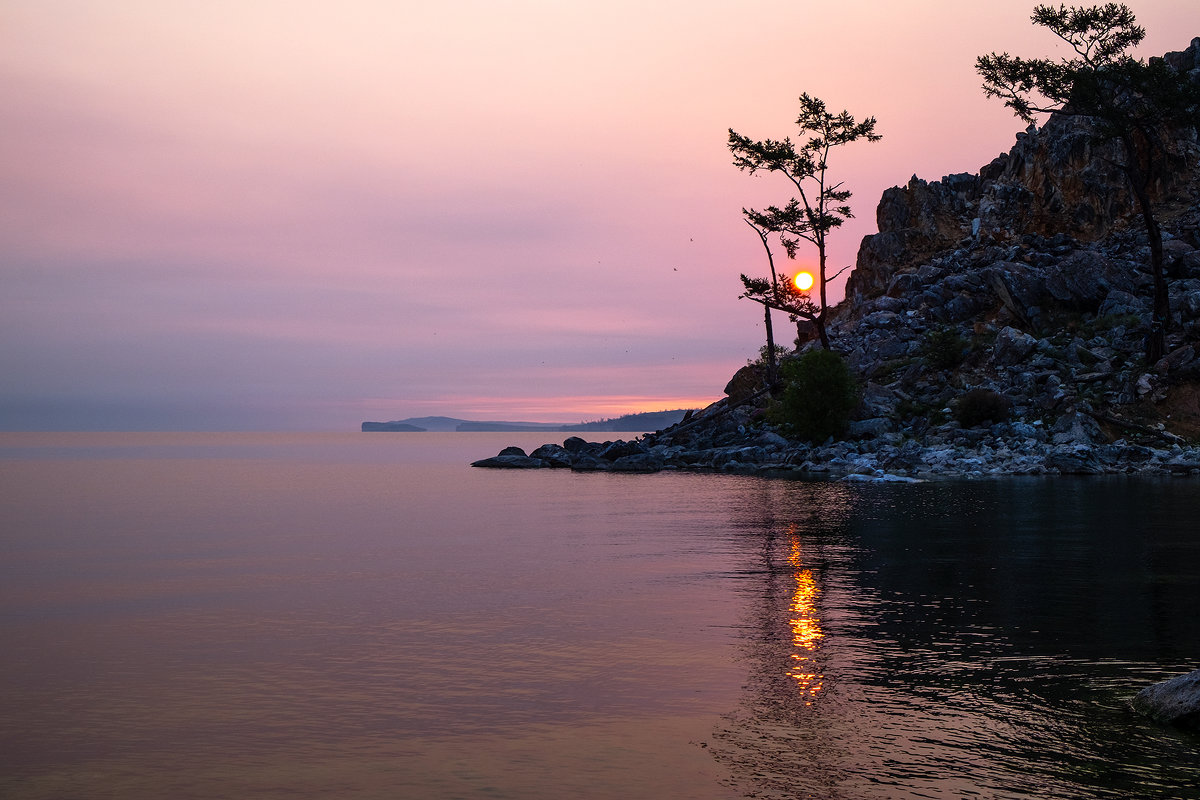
819	394
943	348
980	405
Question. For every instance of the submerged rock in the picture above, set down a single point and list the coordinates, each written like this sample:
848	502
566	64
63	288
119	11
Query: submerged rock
1175	701
885	477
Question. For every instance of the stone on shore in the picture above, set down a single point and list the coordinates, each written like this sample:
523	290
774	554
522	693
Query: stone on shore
1175	701
510	460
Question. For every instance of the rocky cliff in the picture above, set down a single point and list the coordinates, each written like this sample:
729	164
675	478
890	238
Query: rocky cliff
1055	181
1027	283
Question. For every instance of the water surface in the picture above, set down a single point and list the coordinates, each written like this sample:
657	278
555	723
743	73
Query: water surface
363	615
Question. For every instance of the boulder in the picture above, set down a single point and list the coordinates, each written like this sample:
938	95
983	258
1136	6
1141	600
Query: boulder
585	462
639	462
1083	280
1121	302
1018	287
1175	701
554	455
1189	305
771	439
1178	358
1075	428
1188	265
904	284
881	319
869	428
1078	459
620	448
745	382
1012	346
510	462
575	444
1175	255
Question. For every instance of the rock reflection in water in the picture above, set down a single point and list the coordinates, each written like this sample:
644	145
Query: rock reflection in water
931	641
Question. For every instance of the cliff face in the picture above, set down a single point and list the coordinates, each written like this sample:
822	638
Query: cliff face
1055	180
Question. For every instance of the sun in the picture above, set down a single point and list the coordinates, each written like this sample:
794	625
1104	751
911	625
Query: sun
803	281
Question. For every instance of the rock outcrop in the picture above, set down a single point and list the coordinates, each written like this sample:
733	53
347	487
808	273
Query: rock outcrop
1028	281
1175	701
1055	180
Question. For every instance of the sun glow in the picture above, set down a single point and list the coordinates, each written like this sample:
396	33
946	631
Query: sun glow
803	281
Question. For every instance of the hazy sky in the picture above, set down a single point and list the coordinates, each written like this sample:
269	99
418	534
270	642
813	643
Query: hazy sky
290	214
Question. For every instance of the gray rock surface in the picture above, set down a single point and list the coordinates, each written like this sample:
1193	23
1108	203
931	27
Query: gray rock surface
1175	701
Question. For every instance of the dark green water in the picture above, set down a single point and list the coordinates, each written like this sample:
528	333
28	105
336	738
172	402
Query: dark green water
364	616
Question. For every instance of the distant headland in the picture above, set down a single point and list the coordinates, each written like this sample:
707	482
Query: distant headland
628	423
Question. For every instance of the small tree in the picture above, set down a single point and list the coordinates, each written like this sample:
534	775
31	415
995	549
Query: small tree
1128	100
818	397
771	293
820	207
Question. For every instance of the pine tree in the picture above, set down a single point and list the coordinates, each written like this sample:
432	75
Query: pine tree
820	207
1131	101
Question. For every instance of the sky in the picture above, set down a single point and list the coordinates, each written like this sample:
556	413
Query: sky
300	215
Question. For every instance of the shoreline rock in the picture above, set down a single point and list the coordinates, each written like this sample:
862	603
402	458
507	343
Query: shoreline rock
1175	701
999	451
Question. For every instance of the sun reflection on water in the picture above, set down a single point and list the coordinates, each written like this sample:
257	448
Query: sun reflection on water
805	624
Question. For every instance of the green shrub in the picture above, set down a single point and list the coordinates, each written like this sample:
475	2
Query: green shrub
819	394
980	405
944	348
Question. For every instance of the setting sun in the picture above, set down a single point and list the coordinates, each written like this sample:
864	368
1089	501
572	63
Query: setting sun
803	281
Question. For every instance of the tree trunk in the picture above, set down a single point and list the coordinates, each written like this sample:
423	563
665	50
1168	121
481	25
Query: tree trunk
772	369
820	318
1160	322
820	322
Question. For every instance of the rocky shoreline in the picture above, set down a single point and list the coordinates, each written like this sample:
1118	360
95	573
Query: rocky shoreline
1026	284
735	445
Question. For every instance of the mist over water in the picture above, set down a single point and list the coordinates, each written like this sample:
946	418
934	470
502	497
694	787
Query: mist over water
363	615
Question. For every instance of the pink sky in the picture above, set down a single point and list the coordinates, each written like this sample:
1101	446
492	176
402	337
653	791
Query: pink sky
281	214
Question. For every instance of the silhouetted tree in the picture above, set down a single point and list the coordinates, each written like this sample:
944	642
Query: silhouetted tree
771	293
1128	100
820	207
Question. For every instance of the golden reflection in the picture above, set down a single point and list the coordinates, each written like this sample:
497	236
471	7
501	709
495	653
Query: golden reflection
806	625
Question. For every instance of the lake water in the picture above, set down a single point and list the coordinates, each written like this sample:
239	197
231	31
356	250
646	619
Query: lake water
365	616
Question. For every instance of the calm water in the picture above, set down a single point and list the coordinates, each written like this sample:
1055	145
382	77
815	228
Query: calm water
363	615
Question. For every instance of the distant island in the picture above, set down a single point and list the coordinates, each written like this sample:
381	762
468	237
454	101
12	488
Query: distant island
644	421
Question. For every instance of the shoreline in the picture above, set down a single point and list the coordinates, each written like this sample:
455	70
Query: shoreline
731	442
